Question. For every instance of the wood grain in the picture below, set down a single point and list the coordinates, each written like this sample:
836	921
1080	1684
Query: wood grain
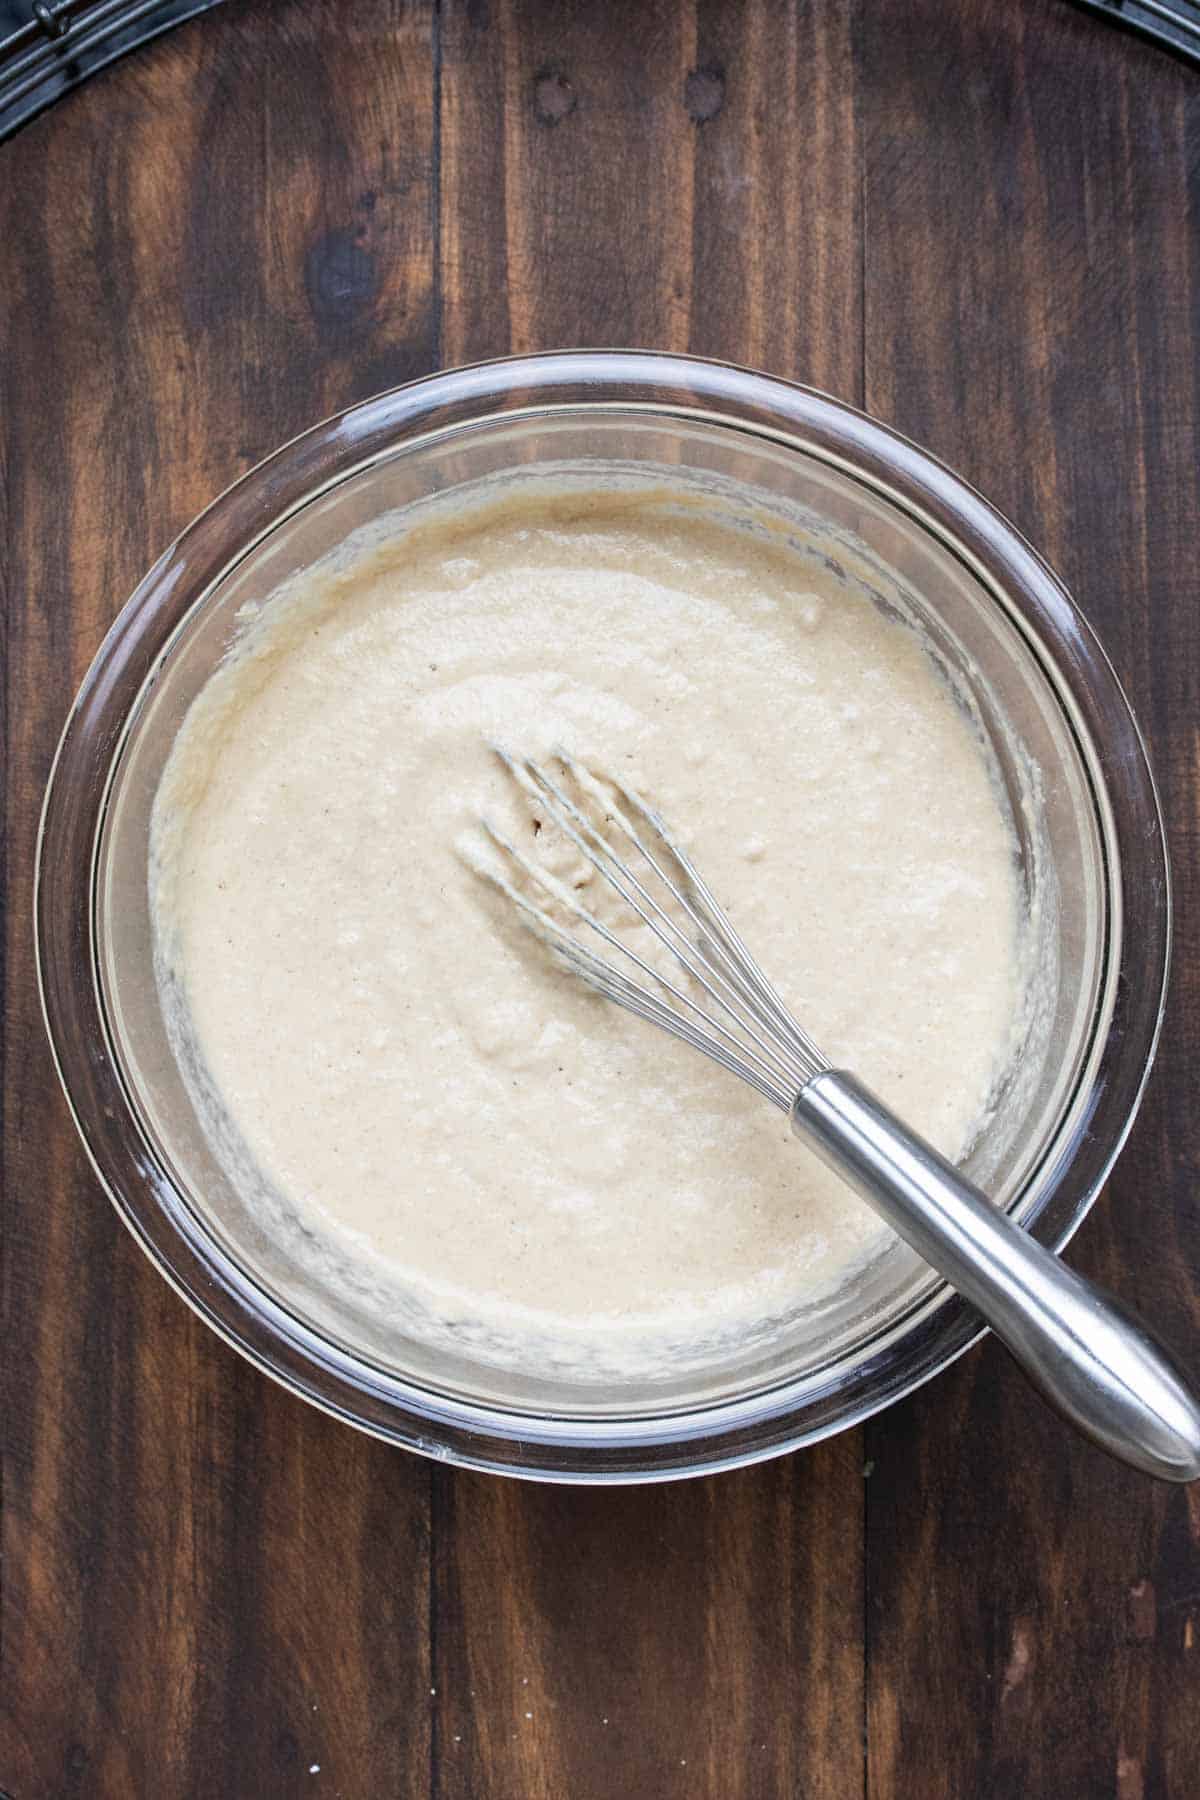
1031	316
207	1587
703	1637
981	219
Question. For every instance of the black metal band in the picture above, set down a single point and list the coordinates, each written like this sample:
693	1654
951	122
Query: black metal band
49	46
1173	23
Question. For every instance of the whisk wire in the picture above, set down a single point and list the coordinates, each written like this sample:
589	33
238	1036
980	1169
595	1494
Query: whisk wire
591	841
608	980
729	993
766	1047
731	946
718	931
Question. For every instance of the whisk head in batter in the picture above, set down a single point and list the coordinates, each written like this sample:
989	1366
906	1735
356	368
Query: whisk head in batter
707	989
1092	1360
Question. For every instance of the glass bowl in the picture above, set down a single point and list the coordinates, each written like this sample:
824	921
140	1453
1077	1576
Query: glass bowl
1066	746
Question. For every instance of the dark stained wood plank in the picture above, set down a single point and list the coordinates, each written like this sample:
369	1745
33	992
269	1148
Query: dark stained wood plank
553	231
773	99
1032	284
653	175
208	1587
698	1638
662	176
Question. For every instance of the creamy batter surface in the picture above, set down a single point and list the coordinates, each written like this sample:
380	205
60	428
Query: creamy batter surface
409	1071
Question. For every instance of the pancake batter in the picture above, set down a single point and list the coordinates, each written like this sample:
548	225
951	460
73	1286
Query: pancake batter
407	1068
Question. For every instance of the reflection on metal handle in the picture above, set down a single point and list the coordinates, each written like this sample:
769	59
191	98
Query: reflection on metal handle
1088	1356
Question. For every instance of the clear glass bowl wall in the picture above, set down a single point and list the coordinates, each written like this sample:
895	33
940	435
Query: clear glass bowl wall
1072	763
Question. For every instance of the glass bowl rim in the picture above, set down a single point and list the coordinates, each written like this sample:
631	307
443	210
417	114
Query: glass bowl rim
569	383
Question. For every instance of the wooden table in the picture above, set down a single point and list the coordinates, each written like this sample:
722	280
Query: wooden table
980	219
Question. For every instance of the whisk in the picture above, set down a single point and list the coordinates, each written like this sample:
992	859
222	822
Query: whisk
686	970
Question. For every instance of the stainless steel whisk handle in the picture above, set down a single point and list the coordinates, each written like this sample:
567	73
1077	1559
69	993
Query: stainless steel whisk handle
1090	1358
